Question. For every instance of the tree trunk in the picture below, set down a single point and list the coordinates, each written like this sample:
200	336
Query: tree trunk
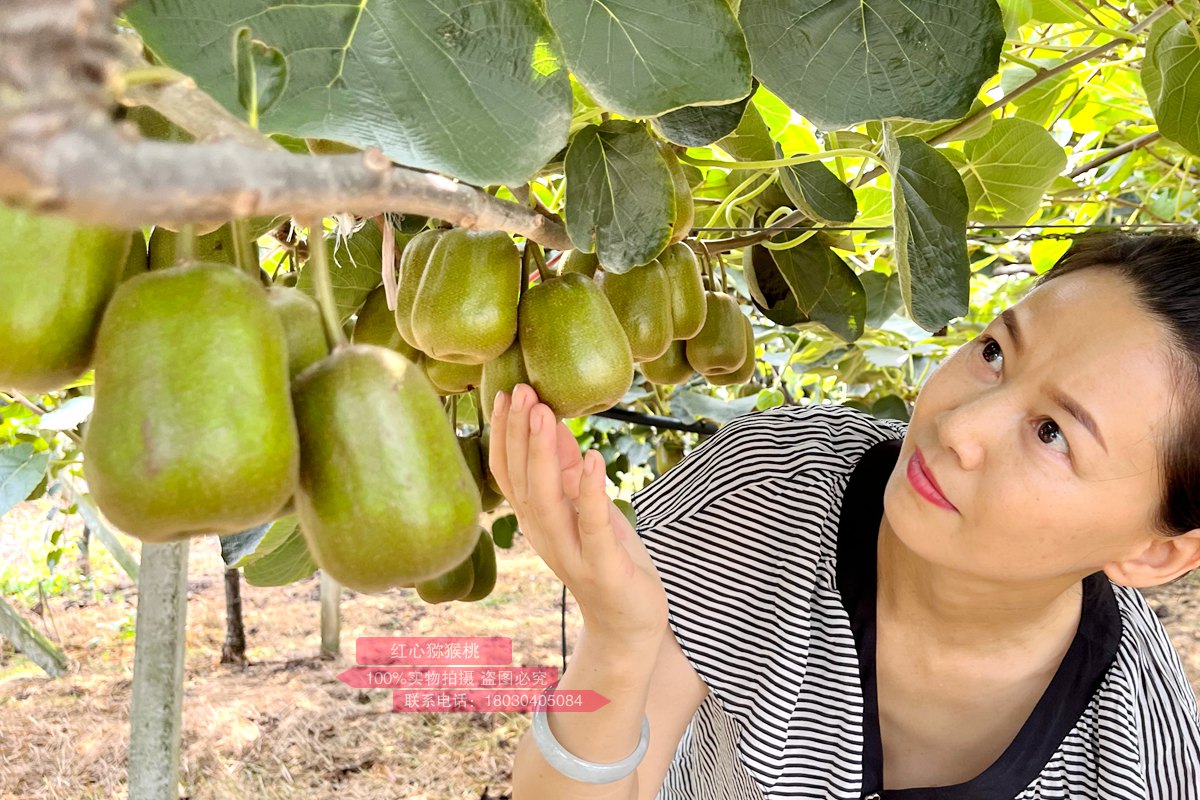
233	651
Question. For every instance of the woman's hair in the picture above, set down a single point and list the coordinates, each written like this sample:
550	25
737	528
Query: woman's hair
1164	272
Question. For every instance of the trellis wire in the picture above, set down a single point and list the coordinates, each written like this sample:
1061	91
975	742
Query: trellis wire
1191	227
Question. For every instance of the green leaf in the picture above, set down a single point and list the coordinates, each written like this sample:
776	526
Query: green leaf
1007	171
827	289
891	407
21	470
462	87
354	269
817	191
928	130
698	126
1043	253
1037	104
768	398
1016	13
620	201
640	58
883	296
237	546
69	415
768	290
1177	107
261	73
929	213
275	535
1151	75
1047	11
694	405
282	557
503	529
842	62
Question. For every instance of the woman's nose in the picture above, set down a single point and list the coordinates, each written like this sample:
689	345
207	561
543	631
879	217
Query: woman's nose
973	427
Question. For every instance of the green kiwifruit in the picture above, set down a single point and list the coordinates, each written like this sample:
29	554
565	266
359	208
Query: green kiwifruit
385	496
55	282
452	584
502	375
687	290
215	247
476	458
302	326
578	262
641	299
192	429
483	559
138	260
671	367
575	351
376	324
746	371
720	346
685	206
414	258
448	377
466	306
667	453
329	147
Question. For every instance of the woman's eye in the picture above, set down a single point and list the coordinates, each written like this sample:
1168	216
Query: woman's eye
1053	426
990	346
991	353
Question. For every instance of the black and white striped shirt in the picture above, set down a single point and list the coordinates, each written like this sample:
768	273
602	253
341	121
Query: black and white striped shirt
772	600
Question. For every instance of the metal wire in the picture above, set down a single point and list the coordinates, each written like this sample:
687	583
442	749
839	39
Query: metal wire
976	232
759	229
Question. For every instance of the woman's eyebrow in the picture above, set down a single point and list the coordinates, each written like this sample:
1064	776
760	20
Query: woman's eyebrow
1009	317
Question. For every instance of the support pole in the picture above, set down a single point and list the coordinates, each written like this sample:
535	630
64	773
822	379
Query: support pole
156	708
331	617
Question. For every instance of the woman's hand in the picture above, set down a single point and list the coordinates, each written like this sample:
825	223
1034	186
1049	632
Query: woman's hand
565	513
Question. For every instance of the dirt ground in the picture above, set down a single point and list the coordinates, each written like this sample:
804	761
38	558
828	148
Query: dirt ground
284	726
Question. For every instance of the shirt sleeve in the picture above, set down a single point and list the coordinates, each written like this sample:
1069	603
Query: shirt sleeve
739	531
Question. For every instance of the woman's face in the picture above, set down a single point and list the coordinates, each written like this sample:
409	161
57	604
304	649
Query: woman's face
1036	496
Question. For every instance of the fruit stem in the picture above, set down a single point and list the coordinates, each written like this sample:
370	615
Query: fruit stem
524	269
242	250
319	257
539	258
454	414
724	275
478	407
708	269
185	247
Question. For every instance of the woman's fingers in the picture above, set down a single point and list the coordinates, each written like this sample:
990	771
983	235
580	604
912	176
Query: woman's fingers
552	513
523	398
597	543
570	459
498	444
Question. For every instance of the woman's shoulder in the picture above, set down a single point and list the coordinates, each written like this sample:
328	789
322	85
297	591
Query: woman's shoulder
1146	705
792	445
1146	653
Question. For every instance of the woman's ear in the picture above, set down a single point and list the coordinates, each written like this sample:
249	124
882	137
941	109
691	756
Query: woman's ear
1162	560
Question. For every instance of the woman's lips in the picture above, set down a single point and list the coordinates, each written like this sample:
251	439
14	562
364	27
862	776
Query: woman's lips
923	482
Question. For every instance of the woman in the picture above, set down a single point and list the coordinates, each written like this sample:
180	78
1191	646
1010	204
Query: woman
820	604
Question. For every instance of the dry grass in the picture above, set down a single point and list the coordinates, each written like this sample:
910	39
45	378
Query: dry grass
283	726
